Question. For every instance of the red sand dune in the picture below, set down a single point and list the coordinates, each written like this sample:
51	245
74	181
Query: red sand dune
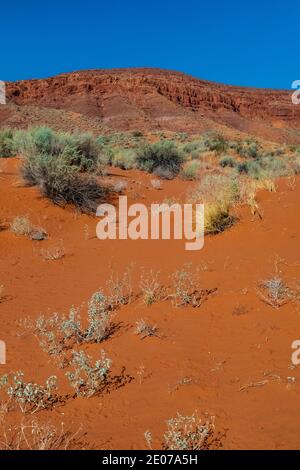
234	339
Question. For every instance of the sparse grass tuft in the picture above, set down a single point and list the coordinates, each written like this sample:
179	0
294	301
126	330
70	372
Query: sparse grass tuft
54	253
144	329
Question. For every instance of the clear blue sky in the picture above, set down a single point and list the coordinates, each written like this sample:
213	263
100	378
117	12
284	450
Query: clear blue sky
255	43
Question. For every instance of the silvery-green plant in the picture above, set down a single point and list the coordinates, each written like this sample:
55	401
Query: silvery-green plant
187	433
100	324
274	292
58	331
88	379
30	396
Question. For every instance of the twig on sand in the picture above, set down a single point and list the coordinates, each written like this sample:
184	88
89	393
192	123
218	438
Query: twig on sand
253	385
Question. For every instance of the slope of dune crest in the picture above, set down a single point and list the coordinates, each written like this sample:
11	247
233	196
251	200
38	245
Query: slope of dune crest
151	99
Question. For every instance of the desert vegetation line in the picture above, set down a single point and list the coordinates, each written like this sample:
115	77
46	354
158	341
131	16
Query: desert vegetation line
71	168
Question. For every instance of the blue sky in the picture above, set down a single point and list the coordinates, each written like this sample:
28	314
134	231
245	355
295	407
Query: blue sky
253	43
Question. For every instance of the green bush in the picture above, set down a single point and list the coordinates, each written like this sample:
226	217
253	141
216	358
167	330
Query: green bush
81	150
137	134
162	158
227	161
6	143
87	153
247	148
296	165
62	183
215	142
194	148
189	172
252	169
124	159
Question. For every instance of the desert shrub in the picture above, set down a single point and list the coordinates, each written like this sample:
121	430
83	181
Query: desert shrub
124	159
274	167
89	152
213	188
295	165
162	158
182	136
151	288
164	173
88	379
44	139
6	143
34	435
251	168
21	225
137	134
23	142
30	396
190	170
185	288
294	148
80	150
195	147
58	332
100	324
247	148
218	193
217	218
216	142
274	292
61	182
188	433
54	253
227	161
119	186
118	290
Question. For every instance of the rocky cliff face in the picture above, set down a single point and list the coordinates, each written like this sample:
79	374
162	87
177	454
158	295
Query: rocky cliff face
153	98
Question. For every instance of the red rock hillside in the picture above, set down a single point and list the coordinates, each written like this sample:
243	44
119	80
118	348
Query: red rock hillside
149	99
